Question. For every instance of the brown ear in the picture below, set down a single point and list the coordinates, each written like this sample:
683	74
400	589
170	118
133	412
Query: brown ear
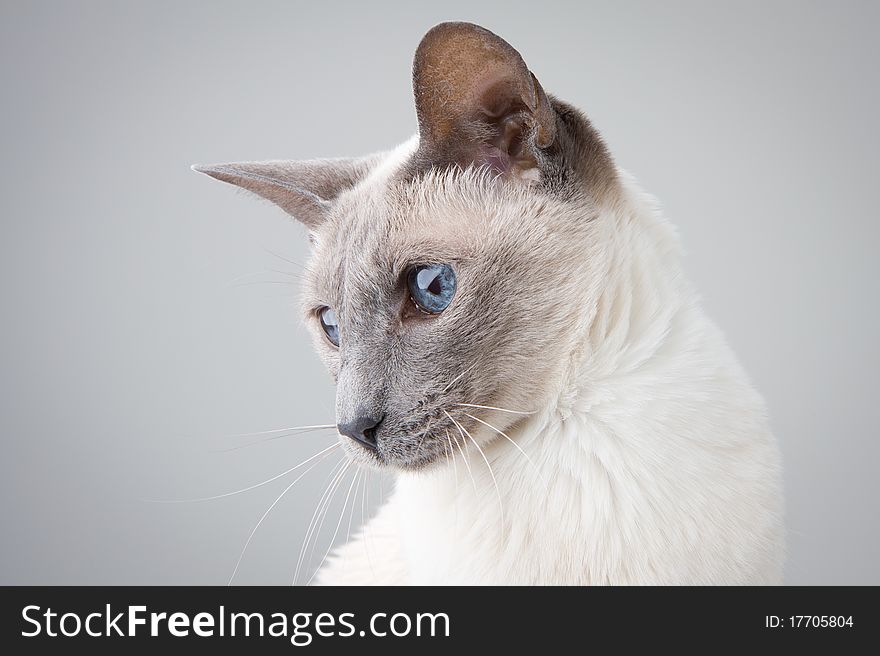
304	189
477	102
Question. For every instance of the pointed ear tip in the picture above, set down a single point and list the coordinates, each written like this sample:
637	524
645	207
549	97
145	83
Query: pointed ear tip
211	170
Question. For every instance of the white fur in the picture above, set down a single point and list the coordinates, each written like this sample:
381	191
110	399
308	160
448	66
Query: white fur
653	463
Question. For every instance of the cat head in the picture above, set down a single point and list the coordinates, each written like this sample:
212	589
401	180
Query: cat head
450	278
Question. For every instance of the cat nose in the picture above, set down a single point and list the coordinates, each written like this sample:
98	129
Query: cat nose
362	430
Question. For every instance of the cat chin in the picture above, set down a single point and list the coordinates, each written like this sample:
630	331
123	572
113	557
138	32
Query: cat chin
361	456
386	463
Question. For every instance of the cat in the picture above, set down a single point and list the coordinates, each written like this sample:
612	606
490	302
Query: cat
506	319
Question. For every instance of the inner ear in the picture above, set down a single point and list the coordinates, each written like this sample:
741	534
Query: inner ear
477	102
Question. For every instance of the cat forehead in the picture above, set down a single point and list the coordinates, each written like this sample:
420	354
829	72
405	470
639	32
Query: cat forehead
391	208
403	215
377	230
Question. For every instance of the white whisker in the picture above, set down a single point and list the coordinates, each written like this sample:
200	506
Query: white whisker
490	407
281	257
518	447
357	475
266	514
491	473
265	282
455	473
232	281
463	456
336	530
322	516
314	525
337	470
282	430
365	501
298	433
298	276
454	466
324	513
458	377
251	487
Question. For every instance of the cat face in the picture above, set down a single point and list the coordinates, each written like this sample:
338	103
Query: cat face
412	364
449	279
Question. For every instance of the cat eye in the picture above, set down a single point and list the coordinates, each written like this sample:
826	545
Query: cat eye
329	324
431	287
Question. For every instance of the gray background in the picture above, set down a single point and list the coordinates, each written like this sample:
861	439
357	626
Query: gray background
145	317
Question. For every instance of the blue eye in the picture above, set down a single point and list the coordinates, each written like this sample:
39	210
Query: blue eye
432	286
328	323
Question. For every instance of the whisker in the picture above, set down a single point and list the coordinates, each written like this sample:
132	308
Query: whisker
458	377
264	440
490	407
491	473
454	466
264	282
318	518
266	514
518	447
360	475
250	487
244	276
455	472
338	468
298	276
281	257
463	456
336	530
282	430
365	501
313	524
323	516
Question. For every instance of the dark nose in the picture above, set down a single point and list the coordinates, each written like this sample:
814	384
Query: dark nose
362	429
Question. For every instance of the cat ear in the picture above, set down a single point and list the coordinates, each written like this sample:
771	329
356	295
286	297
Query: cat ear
304	189
477	102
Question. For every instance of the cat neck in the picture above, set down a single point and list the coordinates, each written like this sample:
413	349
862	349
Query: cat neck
645	310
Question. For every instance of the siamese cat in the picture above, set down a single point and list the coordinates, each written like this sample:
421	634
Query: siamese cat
505	315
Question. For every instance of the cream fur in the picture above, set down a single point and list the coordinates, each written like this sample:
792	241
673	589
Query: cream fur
644	455
651	462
